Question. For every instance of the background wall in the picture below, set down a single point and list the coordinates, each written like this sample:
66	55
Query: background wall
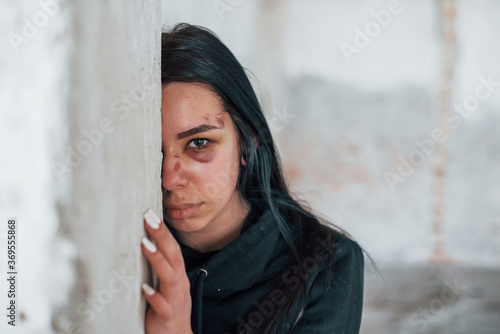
80	142
386	114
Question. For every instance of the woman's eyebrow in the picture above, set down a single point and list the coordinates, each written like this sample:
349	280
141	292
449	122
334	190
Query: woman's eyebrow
195	130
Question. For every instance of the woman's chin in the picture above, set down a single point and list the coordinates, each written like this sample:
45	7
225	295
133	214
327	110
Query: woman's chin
185	224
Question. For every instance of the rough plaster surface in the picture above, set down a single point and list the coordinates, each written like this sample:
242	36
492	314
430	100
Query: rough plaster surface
81	159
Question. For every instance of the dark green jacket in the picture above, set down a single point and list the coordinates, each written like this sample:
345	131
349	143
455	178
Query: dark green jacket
231	288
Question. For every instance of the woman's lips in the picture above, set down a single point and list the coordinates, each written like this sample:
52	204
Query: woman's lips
182	211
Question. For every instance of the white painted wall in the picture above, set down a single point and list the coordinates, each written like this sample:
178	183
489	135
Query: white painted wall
79	77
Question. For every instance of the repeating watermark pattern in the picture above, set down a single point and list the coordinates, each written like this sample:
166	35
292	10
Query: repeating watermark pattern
363	37
223	6
87	310
292	278
121	108
31	26
421	318
426	147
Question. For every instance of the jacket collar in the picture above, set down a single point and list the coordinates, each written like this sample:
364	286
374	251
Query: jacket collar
254	256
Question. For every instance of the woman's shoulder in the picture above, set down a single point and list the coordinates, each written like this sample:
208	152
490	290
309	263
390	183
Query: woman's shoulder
331	240
346	249
342	258
335	293
324	244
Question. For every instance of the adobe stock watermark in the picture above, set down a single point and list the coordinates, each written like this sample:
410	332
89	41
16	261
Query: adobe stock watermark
276	297
277	122
31	26
371	30
87	310
92	138
223	6
279	119
421	318
427	146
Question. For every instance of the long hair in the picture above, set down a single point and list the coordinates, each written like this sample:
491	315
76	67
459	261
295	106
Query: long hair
194	54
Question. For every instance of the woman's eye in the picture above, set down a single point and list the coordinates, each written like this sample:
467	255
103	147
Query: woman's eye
199	143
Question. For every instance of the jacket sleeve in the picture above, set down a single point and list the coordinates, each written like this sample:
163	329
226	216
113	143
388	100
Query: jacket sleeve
334	304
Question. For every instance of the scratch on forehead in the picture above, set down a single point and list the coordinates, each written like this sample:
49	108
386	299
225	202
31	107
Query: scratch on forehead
220	120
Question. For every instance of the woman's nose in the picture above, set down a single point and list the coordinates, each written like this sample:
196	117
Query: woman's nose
172	175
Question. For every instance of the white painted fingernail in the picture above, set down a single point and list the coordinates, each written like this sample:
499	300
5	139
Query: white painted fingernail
152	219
147	289
149	245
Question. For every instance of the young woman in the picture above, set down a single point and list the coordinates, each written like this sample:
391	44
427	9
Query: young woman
238	254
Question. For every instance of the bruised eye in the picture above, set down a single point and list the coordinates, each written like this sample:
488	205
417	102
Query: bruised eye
198	143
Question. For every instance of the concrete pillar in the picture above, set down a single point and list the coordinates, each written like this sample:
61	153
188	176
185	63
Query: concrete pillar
81	137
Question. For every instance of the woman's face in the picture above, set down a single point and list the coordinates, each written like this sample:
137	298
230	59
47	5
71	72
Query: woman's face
201	159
